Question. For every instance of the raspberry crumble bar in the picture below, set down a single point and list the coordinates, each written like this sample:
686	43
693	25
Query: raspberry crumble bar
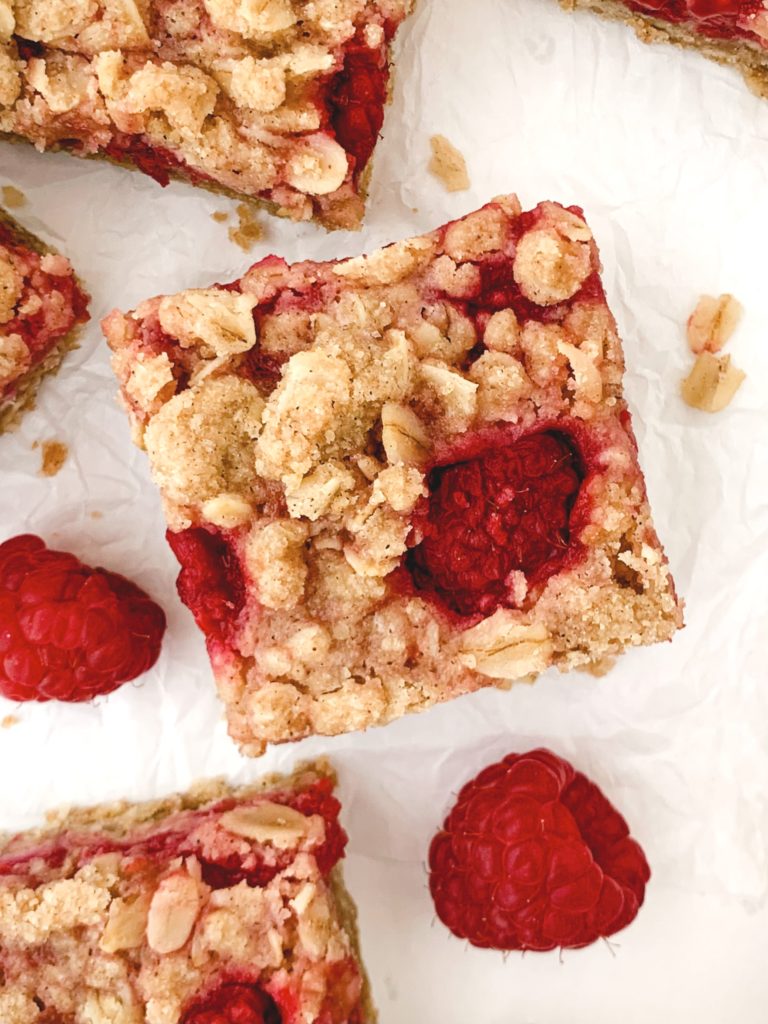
397	478
278	100
41	305
733	32
218	905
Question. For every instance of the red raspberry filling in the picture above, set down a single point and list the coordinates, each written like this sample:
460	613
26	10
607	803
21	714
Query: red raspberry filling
724	19
64	303
357	97
155	161
533	856
210	582
233	1003
502	509
69	632
172	840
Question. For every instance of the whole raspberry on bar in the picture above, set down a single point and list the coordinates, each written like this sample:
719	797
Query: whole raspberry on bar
68	631
532	857
233	1004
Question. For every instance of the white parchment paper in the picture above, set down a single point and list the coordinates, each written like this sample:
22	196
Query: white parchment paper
668	155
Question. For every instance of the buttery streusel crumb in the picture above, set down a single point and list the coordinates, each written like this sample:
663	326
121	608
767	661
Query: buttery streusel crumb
323	431
13	198
9	721
215	898
249	228
448	164
52	457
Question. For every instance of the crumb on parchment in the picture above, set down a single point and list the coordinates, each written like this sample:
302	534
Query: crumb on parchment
448	164
53	455
220	216
13	197
9	721
249	229
713	379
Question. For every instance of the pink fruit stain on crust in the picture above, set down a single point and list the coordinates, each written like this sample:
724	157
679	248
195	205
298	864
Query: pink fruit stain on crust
67	631
503	509
722	19
533	856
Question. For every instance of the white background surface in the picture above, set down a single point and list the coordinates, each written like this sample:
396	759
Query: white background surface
668	155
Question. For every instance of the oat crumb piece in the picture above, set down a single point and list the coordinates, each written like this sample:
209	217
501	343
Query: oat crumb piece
9	721
599	668
53	456
712	383
448	164
13	197
96	514
220	216
713	322
249	229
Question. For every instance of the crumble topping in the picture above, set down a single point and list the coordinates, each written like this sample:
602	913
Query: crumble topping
132	913
306	452
40	304
280	100
713	380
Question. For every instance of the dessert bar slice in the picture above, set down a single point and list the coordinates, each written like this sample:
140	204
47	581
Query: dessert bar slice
279	100
41	305
400	477
733	32
219	905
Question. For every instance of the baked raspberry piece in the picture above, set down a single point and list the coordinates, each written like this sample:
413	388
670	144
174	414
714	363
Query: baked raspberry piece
69	632
41	306
397	478
278	100
731	32
218	906
532	856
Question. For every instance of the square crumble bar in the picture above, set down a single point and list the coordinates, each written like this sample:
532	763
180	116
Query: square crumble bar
219	899
41	306
401	477
278	100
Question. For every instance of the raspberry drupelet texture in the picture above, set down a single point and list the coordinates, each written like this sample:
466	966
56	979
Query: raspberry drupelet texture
233	1004
393	479
533	856
505	510
67	631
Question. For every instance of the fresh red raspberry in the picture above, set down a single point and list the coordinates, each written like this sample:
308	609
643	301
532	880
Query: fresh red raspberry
533	856
67	631
505	508
233	1003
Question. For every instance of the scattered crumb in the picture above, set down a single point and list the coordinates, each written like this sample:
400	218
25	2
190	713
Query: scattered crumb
712	382
448	164
13	197
713	322
96	514
219	216
8	721
249	229
600	668
53	456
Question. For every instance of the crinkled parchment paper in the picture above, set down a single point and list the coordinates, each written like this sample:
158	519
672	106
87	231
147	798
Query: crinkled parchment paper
668	155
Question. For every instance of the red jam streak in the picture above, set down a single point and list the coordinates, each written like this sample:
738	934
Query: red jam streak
173	839
357	96
504	509
37	335
723	19
160	164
